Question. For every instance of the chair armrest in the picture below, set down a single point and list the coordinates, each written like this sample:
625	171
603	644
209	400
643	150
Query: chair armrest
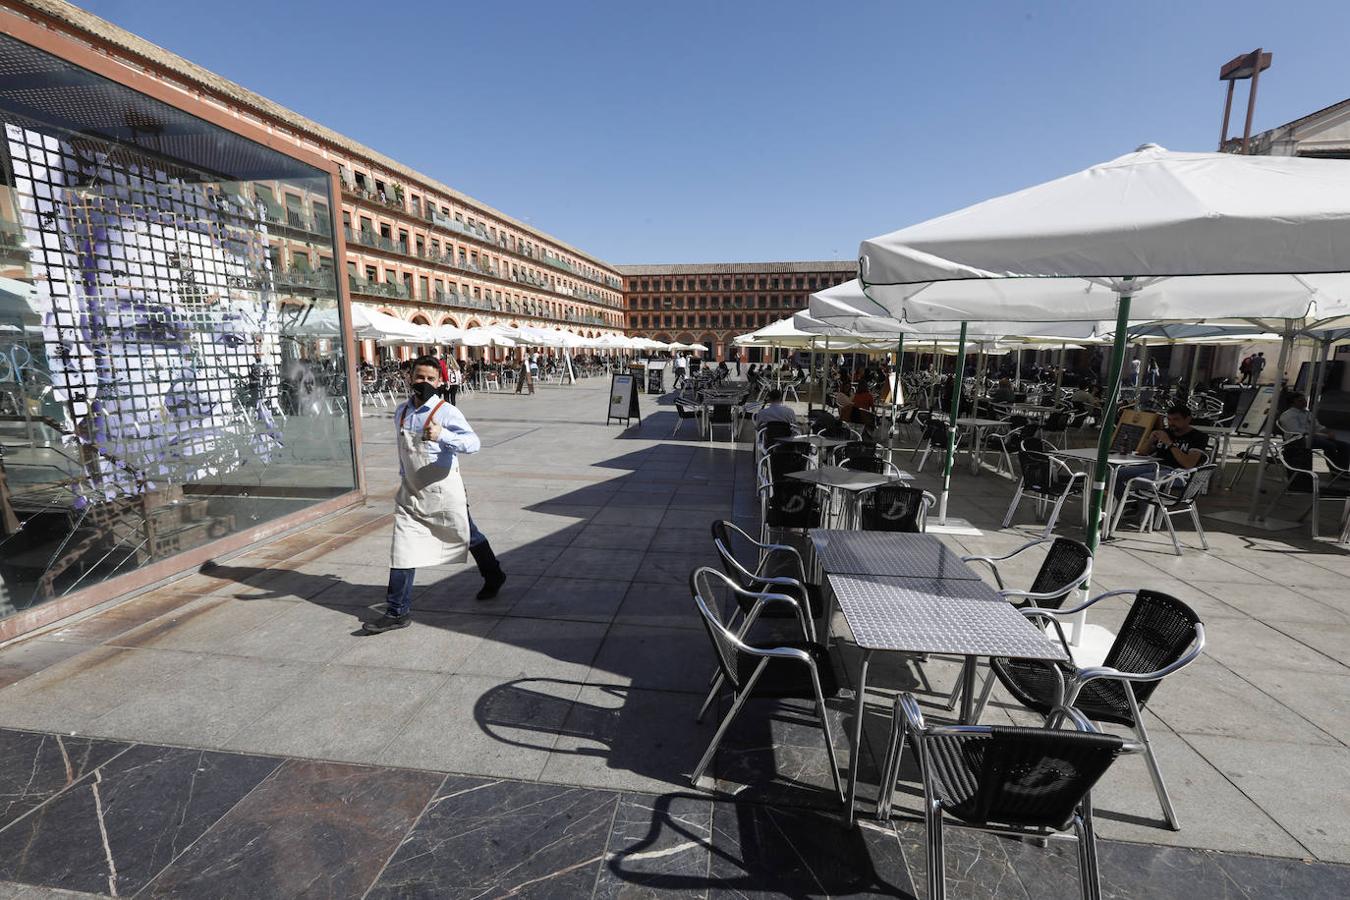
1009	555
1082	606
1048	615
909	707
1083	676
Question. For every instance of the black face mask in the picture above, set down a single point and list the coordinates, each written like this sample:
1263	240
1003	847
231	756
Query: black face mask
423	391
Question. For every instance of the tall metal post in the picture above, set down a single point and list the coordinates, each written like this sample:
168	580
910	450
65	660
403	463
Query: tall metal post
1097	508
1268	426
953	411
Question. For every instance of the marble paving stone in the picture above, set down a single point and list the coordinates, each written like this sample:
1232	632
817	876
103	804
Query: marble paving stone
1303	792
307	632
1264	877
481	725
281	583
1321	699
71	695
25	658
204	625
35	767
650	657
1333	640
530	559
617	537
537	648
579	599
340	824
681	540
692	518
1208	698
976	864
341	713
128	615
1245	643
115	829
623	738
759	851
205	704
639	516
660	605
674	568
658	847
1270	602
483	838
10	890
618	565
434	642
445	590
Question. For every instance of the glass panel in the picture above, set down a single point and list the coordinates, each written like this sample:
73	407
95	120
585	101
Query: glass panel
162	382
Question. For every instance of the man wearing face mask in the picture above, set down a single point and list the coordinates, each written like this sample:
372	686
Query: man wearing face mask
432	525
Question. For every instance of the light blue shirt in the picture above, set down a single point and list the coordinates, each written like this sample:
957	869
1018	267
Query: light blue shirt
457	436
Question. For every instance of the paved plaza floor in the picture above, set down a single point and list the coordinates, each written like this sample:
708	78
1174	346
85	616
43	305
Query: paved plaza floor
233	735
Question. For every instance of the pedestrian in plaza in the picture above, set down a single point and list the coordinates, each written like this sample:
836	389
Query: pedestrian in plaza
1245	369
1258	366
1154	373
454	378
681	367
526	378
432	525
1136	365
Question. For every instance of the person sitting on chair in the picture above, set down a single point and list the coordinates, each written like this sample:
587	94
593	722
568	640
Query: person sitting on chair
775	410
1296	420
1178	446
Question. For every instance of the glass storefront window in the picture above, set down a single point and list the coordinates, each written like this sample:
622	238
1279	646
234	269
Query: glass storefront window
164	380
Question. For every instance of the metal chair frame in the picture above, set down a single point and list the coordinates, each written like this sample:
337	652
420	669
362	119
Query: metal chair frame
1073	483
1165	501
722	637
1080	677
1291	472
907	719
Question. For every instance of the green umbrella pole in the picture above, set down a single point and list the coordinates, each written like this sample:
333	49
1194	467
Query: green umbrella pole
1108	419
895	386
952	412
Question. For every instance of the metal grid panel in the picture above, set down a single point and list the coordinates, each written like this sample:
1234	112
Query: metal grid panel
917	615
889	553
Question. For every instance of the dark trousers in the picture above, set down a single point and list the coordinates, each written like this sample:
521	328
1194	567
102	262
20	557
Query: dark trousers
1338	452
399	594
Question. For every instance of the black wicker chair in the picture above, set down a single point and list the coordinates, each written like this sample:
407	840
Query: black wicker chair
685	412
789	505
894	507
855	449
774	466
1047	480
1160	635
770	433
1302	477
1067	564
936	433
1025	782
775	567
800	669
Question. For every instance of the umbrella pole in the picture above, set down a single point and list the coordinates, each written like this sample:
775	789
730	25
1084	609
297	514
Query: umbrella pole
952	413
1098	504
1268	426
1017	372
895	381
1315	389
1195	368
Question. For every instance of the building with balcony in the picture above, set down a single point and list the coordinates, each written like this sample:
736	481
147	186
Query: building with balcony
711	303
1324	134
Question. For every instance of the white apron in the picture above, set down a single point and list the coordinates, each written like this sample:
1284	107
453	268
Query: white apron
431	511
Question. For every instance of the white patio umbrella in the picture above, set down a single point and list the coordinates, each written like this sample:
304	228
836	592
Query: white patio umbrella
481	336
1130	234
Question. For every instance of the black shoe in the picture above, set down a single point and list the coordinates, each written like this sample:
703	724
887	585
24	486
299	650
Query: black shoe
491	586
387	622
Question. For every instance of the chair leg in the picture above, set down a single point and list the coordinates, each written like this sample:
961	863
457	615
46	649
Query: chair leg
1089	878
1171	531
1012	508
895	751
713	690
937	870
955	695
824	715
985	692
741	697
1154	771
1054	514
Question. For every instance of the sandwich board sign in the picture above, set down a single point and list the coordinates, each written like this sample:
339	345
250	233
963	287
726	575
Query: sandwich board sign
623	399
1133	431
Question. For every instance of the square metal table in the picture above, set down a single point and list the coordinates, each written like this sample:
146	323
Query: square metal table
977	426
930	615
814	440
888	553
1114	463
851	481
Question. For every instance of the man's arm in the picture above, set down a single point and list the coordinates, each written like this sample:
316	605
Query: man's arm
455	432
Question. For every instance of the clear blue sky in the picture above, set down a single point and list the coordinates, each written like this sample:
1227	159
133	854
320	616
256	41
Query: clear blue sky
753	130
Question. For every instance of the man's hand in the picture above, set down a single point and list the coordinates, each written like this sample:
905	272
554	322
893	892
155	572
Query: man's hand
1160	437
432	431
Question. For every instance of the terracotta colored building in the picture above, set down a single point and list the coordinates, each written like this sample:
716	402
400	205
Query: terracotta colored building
711	303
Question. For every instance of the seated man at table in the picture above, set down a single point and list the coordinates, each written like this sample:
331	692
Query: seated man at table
1296	420
862	401
775	410
1003	392
1178	446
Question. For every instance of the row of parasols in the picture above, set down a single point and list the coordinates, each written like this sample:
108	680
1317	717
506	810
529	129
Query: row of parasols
391	331
1180	243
